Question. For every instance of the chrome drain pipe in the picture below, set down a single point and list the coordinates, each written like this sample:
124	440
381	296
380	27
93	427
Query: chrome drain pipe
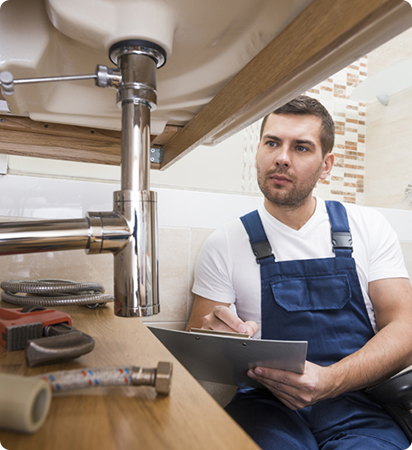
136	287
129	232
97	233
43	236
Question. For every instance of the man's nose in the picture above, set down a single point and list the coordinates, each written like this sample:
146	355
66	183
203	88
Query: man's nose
283	156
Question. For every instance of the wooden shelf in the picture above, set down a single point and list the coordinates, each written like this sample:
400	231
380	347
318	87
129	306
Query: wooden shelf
25	137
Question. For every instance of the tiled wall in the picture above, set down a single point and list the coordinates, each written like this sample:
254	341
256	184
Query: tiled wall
178	250
346	182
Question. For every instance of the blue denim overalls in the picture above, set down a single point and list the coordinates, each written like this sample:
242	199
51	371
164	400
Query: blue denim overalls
318	300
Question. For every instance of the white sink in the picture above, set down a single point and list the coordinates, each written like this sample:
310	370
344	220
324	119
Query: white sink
206	42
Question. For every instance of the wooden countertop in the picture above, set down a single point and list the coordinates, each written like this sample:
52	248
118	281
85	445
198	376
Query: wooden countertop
130	417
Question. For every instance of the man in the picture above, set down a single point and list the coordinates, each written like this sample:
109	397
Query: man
353	306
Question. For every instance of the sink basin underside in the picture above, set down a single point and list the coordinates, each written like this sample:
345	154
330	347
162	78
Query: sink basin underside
207	43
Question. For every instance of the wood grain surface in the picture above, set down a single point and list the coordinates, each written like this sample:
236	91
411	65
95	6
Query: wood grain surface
25	137
124	417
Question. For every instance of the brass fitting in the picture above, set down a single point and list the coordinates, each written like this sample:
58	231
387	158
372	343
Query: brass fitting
160	378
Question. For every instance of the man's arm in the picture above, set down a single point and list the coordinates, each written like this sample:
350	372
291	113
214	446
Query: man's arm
213	315
388	352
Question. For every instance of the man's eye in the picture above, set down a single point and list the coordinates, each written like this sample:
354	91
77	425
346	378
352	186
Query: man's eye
271	143
299	148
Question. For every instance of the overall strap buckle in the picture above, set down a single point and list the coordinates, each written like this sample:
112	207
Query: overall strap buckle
341	235
261	250
257	236
341	240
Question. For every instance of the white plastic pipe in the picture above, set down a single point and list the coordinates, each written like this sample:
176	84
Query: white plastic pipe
24	403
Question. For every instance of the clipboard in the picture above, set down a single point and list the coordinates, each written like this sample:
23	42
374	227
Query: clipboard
226	359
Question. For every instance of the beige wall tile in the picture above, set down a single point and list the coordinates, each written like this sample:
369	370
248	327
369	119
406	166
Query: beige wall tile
180	326
388	158
174	248
198	237
393	51
71	265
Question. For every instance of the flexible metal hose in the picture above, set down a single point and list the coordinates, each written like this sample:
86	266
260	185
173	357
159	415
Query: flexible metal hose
54	293
160	378
66	380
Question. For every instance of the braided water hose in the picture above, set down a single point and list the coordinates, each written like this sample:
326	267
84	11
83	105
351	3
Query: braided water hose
66	380
54	293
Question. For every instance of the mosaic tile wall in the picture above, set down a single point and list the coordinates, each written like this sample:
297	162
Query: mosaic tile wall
346	182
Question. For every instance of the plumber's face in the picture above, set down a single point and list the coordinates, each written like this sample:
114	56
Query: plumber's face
289	159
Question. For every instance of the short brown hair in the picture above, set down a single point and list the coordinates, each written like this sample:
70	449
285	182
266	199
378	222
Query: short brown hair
304	105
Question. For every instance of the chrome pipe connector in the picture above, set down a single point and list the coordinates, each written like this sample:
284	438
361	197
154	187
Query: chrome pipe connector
138	80
107	77
138	47
108	232
136	280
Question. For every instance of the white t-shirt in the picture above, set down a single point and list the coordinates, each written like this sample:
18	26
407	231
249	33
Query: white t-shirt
227	271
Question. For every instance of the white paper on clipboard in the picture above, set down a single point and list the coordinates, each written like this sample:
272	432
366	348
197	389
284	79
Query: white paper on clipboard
223	359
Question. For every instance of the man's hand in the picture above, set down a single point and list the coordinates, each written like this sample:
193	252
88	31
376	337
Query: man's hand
296	391
223	319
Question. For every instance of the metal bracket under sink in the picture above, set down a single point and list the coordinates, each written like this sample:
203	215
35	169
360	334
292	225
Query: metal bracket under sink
156	154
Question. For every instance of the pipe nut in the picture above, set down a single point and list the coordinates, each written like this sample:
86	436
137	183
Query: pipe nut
107	77
163	377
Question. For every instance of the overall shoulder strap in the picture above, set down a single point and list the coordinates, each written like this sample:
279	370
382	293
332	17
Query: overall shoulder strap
257	236
341	235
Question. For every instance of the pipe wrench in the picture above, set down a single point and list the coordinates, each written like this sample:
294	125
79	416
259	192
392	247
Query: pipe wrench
46	335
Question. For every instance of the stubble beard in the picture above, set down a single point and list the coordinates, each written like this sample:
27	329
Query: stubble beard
281	195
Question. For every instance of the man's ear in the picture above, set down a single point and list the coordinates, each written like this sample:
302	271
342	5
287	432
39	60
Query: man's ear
328	161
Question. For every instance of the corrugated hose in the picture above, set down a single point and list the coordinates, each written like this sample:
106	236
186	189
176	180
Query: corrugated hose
54	293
